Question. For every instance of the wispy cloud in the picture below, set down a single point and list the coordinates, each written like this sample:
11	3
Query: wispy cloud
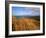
23	11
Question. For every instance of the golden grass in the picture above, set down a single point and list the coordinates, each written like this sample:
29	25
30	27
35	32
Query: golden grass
25	24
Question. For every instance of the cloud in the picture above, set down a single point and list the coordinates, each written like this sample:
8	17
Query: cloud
23	11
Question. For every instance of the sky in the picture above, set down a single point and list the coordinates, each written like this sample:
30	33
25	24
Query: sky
25	11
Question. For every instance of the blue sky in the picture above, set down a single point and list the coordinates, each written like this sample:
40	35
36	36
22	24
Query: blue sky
25	11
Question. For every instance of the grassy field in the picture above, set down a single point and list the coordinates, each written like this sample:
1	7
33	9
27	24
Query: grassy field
21	23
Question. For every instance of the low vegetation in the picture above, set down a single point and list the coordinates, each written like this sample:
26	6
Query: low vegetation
25	24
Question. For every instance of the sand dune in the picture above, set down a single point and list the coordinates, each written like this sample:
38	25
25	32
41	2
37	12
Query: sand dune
25	24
